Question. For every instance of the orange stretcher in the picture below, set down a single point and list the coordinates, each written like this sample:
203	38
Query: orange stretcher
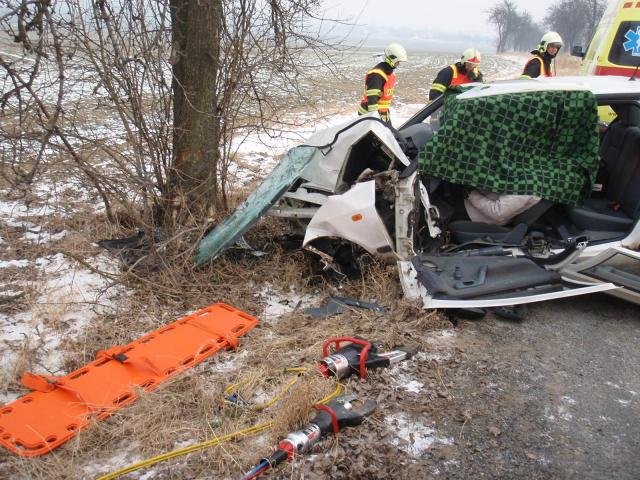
59	407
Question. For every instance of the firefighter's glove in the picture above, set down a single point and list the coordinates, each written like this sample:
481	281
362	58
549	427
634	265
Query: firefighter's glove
385	117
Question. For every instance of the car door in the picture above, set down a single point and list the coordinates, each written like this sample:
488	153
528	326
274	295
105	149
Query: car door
617	265
472	280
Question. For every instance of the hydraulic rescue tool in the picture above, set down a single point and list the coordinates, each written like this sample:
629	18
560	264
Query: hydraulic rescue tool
343	411
351	354
357	355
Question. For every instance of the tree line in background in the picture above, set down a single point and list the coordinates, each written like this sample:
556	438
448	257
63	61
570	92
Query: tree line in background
574	20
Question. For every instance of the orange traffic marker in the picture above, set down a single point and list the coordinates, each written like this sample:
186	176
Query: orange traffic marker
59	407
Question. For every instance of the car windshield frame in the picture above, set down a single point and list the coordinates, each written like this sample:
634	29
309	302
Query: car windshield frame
256	204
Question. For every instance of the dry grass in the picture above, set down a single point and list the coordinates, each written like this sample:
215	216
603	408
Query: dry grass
191	408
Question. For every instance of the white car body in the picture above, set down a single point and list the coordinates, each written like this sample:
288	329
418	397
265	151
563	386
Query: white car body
340	201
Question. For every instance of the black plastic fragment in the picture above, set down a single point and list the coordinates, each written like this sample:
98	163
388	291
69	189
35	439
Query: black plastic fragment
336	305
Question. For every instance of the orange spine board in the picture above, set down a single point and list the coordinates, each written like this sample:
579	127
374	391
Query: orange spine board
60	407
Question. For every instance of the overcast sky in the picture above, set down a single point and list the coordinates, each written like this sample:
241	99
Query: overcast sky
468	16
444	25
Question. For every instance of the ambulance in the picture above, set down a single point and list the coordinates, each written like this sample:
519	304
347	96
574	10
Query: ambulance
615	46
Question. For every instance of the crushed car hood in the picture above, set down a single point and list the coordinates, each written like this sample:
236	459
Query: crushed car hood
319	162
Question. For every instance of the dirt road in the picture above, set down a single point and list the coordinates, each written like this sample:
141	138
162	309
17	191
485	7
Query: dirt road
557	396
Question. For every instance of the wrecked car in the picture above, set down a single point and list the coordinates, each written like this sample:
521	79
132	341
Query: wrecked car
393	193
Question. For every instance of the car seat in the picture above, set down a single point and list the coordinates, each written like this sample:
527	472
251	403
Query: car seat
618	209
464	231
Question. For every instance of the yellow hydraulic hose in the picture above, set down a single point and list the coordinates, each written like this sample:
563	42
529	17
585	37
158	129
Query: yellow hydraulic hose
214	442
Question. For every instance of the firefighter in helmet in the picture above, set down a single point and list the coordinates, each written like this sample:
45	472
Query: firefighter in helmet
380	82
461	72
539	65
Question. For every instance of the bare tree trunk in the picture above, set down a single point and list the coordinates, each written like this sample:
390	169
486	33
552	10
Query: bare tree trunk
505	17
173	131
593	18
196	52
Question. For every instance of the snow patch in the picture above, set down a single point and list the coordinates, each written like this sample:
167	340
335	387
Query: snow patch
445	339
544	461
447	333
40	238
15	209
563	409
10	222
548	415
413	386
413	437
231	364
8	397
184	443
564	414
116	462
279	303
69	296
13	263
147	475
401	378
438	357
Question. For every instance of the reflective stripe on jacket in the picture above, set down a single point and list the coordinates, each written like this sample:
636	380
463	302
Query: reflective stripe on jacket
384	96
544	71
459	78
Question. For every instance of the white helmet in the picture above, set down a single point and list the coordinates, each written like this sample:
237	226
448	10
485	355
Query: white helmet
395	53
471	55
549	38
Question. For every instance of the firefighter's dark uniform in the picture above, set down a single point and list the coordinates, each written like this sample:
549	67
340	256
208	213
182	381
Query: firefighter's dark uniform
539	65
379	83
452	76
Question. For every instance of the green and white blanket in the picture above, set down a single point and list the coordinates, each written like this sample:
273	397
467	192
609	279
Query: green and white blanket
534	143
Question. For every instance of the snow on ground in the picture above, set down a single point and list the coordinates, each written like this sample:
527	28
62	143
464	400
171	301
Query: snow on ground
69	295
278	303
413	437
123	457
13	263
229	361
63	296
39	237
442	343
11	212
409	385
506	66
